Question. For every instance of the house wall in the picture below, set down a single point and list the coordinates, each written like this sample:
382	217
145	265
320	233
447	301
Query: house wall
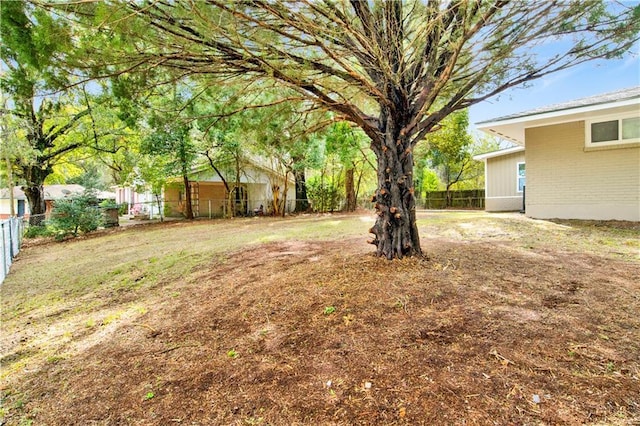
212	196
566	181
5	208
501	182
172	204
258	184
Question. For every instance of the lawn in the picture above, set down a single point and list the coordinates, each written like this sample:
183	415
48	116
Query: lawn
506	320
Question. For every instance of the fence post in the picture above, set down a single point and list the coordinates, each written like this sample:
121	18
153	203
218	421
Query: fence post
4	253
11	238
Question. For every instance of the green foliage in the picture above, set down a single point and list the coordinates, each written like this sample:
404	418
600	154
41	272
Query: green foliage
52	118
430	181
348	144
345	141
328	310
109	204
76	214
448	150
90	177
448	147
37	231
31	39
324	195
170	137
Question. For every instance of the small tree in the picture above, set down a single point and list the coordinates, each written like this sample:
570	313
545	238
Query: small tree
153	171
347	143
324	194
448	151
171	138
79	213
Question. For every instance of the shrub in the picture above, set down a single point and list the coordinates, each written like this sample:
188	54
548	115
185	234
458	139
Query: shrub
108	204
36	231
76	214
324	196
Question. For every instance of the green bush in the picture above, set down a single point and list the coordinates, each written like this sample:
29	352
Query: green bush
36	231
77	214
108	204
324	196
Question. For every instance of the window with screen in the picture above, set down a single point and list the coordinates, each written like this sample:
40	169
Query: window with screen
613	131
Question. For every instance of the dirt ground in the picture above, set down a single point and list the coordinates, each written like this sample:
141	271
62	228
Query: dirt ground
487	328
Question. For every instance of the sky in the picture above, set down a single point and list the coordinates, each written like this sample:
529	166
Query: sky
588	79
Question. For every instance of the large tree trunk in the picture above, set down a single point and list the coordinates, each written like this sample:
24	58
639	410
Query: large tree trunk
34	176
284	193
449	197
275	189
160	209
37	206
188	208
12	209
302	201
350	189
395	230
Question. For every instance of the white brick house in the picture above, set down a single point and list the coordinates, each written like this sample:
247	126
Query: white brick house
582	157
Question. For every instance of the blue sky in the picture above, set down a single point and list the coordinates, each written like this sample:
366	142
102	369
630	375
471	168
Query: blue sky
590	78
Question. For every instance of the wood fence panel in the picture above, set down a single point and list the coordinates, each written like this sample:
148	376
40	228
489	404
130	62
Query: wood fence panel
467	199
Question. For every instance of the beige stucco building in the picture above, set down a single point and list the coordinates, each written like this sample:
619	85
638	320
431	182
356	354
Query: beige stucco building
580	159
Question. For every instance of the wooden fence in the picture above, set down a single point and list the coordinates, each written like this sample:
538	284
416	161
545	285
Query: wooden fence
468	199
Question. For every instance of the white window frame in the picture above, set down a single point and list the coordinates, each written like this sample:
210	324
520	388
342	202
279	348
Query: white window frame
602	119
518	176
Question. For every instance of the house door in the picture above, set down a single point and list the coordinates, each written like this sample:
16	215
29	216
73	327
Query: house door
20	208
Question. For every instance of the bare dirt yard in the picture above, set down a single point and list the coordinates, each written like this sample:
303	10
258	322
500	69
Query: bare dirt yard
263	321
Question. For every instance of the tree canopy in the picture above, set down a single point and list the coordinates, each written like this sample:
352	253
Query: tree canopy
364	60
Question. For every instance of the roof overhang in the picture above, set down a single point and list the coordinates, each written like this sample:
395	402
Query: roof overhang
513	129
507	151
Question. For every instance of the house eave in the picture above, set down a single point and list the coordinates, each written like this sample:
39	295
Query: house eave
500	153
513	129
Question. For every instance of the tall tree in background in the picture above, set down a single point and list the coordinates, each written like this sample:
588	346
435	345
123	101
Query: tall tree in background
286	133
449	151
396	69
13	146
346	142
31	39
170	137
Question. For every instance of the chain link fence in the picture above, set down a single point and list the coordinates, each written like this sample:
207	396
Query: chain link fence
12	230
220	208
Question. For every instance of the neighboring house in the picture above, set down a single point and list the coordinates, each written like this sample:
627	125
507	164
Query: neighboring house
209	196
51	194
582	158
20	207
137	202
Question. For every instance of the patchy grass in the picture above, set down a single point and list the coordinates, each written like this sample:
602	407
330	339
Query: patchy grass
271	321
